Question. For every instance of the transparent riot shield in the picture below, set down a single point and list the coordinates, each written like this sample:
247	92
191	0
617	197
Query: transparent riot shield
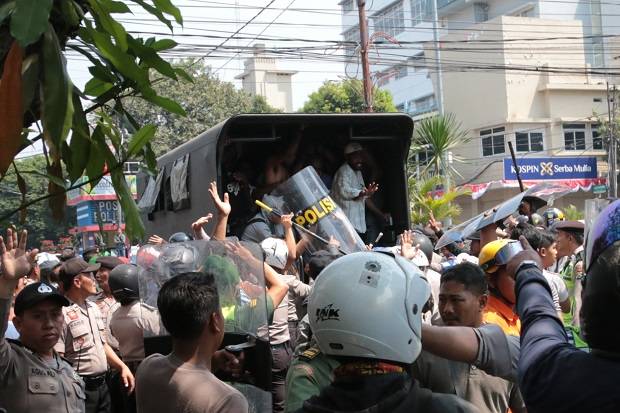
305	195
236	268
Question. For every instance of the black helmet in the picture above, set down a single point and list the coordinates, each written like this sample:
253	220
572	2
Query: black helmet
179	237
123	282
426	246
601	294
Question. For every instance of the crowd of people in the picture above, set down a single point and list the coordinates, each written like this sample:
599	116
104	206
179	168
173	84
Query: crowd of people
517	317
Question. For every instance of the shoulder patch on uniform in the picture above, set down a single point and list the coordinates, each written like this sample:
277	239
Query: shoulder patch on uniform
311	352
72	314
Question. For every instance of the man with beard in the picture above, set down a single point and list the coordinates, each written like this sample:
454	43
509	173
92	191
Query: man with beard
349	190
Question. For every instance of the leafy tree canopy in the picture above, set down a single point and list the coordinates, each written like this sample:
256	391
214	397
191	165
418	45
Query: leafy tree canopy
346	97
36	92
207	101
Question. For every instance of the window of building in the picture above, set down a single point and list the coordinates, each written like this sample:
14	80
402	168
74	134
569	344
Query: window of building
597	139
400	71
529	141
351	37
493	141
401	107
390	20
420	10
481	12
347	5
574	136
131	168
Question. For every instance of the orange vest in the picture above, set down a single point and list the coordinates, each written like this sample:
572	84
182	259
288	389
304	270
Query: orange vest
497	312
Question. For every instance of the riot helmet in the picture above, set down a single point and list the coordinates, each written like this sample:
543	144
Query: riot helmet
537	220
179	258
123	282
425	244
179	237
350	316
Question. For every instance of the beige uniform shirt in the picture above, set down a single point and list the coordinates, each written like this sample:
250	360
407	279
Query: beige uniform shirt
30	384
107	306
130	324
82	339
166	384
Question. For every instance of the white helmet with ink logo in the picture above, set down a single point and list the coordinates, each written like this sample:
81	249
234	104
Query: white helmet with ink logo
369	305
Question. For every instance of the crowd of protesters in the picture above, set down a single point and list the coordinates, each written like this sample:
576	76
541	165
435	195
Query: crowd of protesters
518	317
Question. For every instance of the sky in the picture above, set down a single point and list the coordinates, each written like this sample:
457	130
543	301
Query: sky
223	17
210	23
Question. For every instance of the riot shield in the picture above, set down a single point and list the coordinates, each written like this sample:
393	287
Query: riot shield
237	271
305	195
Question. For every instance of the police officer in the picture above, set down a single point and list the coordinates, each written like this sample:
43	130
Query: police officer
131	321
569	243
134	318
82	340
104	300
375	339
34	377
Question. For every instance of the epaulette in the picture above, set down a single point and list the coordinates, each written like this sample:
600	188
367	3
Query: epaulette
311	352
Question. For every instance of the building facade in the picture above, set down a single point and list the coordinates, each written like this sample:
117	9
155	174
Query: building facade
262	77
527	72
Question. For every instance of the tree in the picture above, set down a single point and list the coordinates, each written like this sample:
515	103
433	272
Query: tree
423	200
38	222
439	136
207	101
571	213
346	97
36	91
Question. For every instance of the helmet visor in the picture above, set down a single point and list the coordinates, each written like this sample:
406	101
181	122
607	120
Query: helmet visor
503	255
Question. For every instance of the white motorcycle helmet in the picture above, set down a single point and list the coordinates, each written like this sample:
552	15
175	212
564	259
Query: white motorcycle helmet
276	252
369	305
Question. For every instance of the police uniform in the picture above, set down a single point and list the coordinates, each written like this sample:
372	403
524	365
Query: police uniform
82	342
107	307
308	374
130	323
30	383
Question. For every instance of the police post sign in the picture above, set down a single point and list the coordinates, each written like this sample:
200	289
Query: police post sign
552	168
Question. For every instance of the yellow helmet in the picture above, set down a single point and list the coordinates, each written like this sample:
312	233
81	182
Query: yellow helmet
497	253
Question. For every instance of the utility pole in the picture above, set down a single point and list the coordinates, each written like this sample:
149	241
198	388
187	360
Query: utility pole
439	96
361	8
612	160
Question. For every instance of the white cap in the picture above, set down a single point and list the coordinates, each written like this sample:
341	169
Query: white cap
352	147
276	252
46	256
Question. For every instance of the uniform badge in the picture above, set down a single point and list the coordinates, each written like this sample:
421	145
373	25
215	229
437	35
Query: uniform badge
44	289
72	315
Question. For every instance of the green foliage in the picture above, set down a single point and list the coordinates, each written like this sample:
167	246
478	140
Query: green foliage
346	97
573	214
38	222
206	100
422	202
34	37
440	136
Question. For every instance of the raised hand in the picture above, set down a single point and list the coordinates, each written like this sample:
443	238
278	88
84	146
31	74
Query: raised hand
433	223
156	240
407	249
15	262
223	206
287	221
200	222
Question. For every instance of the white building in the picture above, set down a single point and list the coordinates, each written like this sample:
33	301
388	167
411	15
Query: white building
544	111
262	77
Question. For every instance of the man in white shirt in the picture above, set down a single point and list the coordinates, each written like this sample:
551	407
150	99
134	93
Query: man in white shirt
349	190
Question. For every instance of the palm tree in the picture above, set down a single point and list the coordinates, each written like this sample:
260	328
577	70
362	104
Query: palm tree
423	200
439	136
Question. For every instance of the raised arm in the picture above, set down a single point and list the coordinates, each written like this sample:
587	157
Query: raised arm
223	211
289	238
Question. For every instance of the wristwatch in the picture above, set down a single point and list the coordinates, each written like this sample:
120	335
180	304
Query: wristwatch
526	263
